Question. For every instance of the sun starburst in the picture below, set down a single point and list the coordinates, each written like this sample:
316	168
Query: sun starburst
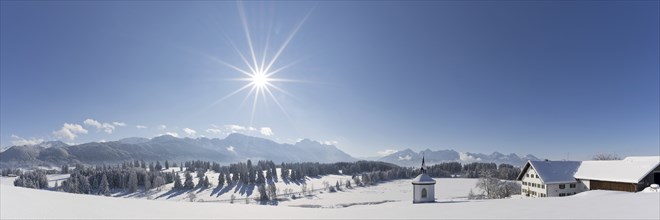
261	70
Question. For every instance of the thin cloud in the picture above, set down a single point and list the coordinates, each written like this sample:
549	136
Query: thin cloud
332	142
162	127
189	131
19	141
120	124
386	152
140	126
213	131
106	127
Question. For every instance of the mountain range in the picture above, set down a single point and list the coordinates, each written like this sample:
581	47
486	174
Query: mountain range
409	157
234	148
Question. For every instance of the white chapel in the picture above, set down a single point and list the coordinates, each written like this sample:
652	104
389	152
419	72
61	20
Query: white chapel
423	186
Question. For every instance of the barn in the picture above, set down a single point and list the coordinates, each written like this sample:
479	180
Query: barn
631	174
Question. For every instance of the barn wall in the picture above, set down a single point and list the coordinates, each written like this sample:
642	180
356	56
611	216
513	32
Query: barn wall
617	186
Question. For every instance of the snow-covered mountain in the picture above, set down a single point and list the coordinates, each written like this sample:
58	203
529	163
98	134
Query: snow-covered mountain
234	148
409	157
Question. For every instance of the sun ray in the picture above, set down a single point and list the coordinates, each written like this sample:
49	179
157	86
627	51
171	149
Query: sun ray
234	93
271	73
247	63
265	52
246	29
286	42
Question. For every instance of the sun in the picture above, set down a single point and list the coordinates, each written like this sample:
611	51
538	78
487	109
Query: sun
260	79
260	67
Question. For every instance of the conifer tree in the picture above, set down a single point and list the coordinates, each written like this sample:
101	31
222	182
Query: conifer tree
158	167
221	180
188	183
147	182
177	182
104	186
132	182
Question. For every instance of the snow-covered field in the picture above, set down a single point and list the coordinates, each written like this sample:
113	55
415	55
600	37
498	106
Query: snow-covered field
387	200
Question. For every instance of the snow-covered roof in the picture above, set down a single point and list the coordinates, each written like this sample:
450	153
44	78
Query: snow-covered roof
423	179
553	171
628	170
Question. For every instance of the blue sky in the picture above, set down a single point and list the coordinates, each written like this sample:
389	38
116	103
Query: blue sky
549	78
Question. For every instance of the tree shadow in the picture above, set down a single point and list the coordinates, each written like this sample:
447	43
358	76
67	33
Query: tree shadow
222	190
172	193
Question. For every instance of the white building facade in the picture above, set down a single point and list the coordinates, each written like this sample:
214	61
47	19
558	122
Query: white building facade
550	179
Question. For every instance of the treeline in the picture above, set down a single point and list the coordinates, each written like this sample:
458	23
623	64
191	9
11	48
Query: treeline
473	170
100	180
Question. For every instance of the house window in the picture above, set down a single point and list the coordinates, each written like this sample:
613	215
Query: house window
562	186
527	174
562	194
572	185
542	186
424	193
537	176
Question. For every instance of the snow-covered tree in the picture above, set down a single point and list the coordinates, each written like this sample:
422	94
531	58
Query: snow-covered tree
188	183
158	167
159	181
147	182
132	182
104	186
177	182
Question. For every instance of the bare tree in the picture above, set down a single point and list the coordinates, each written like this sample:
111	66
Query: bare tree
605	156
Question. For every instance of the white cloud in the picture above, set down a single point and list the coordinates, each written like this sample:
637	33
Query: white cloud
189	131
69	131
386	152
266	131
231	149
252	129
120	124
107	128
173	134
19	141
213	131
140	126
407	157
162	127
331	142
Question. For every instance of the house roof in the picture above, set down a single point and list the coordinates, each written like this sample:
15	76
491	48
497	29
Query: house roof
553	171
423	179
628	170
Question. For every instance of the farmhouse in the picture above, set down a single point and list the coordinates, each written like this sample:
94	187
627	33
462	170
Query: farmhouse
631	174
550	179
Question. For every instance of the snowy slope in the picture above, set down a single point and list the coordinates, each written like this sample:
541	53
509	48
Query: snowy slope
18	202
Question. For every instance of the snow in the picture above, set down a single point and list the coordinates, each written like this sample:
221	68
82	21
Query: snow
423	178
389	200
555	171
628	170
